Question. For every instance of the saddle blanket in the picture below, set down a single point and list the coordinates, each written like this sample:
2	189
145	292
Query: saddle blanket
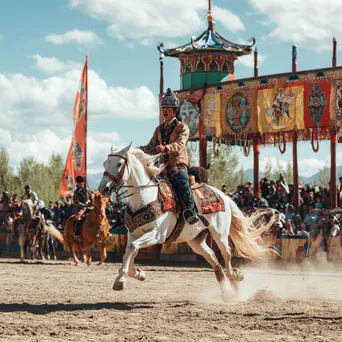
209	201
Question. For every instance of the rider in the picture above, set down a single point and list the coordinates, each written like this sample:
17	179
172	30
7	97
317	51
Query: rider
170	138
82	199
29	194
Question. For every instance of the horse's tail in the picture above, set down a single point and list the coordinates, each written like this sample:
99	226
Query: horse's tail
245	233
54	232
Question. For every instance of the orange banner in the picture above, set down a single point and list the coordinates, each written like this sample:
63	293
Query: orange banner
76	162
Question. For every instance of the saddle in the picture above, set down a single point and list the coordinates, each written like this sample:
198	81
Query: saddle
208	202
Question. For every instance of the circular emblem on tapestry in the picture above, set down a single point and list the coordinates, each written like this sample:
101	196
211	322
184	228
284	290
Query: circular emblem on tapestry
238	112
189	115
317	104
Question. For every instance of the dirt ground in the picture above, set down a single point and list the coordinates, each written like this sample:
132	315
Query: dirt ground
57	301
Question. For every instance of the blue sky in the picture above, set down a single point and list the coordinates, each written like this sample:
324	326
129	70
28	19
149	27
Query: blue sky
43	46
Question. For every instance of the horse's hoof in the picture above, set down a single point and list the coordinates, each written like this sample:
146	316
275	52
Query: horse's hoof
141	275
48	257
54	258
119	286
99	263
238	276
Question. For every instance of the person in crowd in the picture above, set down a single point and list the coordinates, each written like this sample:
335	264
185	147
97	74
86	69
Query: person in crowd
290	213
288	230
259	202
200	173
224	189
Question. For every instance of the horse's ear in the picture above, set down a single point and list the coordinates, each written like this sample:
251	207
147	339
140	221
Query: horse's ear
125	150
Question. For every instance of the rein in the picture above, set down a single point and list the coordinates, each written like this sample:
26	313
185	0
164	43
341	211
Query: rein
119	180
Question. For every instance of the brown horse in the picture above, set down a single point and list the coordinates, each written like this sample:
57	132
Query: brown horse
6	230
94	228
31	232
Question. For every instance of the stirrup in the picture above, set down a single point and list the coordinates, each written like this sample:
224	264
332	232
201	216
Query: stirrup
192	218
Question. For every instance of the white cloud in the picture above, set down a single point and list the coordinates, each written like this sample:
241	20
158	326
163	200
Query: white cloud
52	64
38	103
228	19
45	142
139	20
36	114
309	23
77	37
248	61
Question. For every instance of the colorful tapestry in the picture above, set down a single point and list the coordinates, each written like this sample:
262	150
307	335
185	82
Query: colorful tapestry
211	114
190	111
76	162
336	103
238	112
317	104
189	115
116	243
294	247
281	108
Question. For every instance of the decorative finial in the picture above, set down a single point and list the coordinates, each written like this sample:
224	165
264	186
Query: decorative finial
210	18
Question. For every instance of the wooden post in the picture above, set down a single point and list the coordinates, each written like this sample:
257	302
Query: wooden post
294	58
295	171
334	58
333	185
161	60
256	149
256	70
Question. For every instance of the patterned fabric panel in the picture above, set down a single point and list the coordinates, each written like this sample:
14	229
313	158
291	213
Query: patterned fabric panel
210	201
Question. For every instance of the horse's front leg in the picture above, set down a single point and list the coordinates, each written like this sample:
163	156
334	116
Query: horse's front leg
147	240
40	247
133	272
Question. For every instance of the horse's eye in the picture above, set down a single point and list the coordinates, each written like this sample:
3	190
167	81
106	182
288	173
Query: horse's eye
119	164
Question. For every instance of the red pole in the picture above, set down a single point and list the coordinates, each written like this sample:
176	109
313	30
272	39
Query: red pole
333	185
256	149
294	58
295	171
334	59
256	71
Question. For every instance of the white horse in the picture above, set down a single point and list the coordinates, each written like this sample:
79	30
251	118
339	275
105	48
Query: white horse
138	171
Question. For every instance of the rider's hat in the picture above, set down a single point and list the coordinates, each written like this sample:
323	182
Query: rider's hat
79	179
170	100
27	186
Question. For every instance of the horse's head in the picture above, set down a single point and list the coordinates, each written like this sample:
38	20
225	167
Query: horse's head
99	204
27	208
116	171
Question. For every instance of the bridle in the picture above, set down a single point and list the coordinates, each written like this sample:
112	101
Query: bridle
118	181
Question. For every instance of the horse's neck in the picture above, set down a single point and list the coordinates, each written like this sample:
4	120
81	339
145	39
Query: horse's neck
142	196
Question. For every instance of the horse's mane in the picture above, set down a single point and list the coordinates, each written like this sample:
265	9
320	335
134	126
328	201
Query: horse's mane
148	161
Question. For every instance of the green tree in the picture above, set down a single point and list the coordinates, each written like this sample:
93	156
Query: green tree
6	172
268	169
277	170
324	176
192	154
224	169
289	173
